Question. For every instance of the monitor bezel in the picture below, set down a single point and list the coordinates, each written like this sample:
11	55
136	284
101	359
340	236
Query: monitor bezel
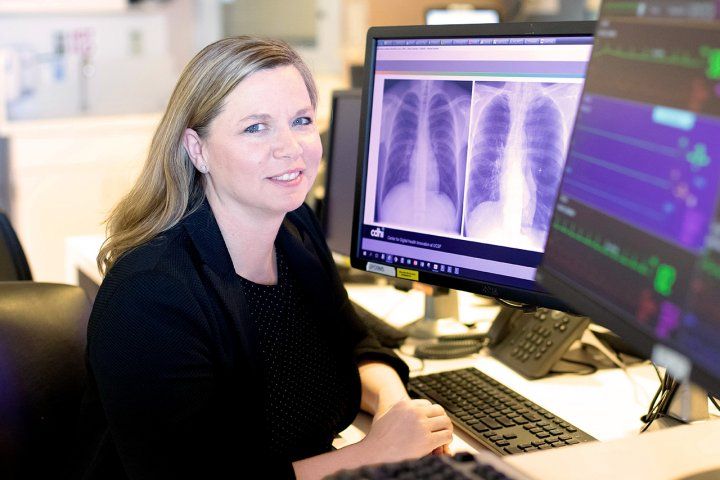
327	198
506	30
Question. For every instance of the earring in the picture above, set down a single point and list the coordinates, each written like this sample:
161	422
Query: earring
203	168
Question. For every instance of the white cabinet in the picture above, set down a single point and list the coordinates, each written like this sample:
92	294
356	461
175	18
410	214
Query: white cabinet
65	176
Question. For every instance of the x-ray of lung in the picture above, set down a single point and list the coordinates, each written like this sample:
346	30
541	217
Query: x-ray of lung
518	140
422	154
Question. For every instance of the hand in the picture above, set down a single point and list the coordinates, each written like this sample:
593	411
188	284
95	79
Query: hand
410	429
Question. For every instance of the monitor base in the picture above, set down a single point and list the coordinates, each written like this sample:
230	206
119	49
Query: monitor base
440	304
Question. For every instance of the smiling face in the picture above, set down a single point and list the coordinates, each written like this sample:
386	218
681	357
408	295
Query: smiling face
262	150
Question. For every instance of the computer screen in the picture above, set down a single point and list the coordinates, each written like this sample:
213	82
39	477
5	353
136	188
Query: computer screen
342	158
457	16
464	131
635	238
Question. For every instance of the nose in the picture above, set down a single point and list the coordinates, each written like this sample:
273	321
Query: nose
288	144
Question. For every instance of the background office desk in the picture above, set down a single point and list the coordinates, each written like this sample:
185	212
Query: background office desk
607	404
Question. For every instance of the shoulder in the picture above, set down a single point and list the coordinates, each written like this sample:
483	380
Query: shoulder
166	250
161	268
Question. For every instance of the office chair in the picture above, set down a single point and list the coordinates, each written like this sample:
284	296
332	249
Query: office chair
13	264
42	376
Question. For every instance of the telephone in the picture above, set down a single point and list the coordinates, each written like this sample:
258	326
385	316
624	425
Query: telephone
531	343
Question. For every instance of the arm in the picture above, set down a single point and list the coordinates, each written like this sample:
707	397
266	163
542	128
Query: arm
381	387
410	429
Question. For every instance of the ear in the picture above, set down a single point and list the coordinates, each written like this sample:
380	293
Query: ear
194	147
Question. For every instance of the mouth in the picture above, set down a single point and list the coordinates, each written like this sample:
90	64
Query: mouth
287	177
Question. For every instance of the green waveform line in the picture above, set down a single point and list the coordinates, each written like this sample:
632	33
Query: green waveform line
711	268
643	268
620	6
709	58
665	275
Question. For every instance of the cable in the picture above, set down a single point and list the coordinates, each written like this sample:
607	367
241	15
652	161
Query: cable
592	367
666	392
714	402
448	349
520	306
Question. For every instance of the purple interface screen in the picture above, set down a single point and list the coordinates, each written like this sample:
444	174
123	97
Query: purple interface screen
637	223
467	146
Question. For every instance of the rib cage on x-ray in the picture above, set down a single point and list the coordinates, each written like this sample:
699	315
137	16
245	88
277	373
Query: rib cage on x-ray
422	160
518	142
545	155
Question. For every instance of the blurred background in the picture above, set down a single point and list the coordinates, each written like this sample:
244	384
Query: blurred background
83	84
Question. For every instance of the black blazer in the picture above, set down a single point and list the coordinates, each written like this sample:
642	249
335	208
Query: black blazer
174	373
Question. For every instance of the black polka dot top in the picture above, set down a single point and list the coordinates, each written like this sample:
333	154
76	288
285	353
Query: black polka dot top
308	391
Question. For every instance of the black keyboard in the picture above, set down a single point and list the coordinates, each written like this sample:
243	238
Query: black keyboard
461	466
494	415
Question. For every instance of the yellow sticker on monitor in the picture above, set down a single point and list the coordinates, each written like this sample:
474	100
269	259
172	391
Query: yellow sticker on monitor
407	274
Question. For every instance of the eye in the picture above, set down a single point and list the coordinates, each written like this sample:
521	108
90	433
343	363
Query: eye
302	121
255	128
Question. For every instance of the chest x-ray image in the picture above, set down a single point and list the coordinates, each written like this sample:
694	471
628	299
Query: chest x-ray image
423	154
518	140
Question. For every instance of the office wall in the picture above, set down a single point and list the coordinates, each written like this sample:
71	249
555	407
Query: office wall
63	65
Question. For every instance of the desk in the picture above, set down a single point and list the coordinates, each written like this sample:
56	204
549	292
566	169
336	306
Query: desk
607	404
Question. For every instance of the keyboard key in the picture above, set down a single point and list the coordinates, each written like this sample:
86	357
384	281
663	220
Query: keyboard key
555	432
505	422
525	446
512	450
502	443
572	442
510	436
542	435
565	437
490	423
480	427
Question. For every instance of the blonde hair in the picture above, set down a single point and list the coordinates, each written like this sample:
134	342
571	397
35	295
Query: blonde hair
169	188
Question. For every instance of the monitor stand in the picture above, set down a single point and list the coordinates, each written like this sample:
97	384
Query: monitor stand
440	303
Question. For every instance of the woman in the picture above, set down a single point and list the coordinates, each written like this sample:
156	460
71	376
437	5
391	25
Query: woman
222	340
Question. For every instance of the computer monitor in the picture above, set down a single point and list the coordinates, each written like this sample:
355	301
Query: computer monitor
458	16
463	139
635	237
339	199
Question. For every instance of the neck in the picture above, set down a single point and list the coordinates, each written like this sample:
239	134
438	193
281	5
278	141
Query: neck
250	238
